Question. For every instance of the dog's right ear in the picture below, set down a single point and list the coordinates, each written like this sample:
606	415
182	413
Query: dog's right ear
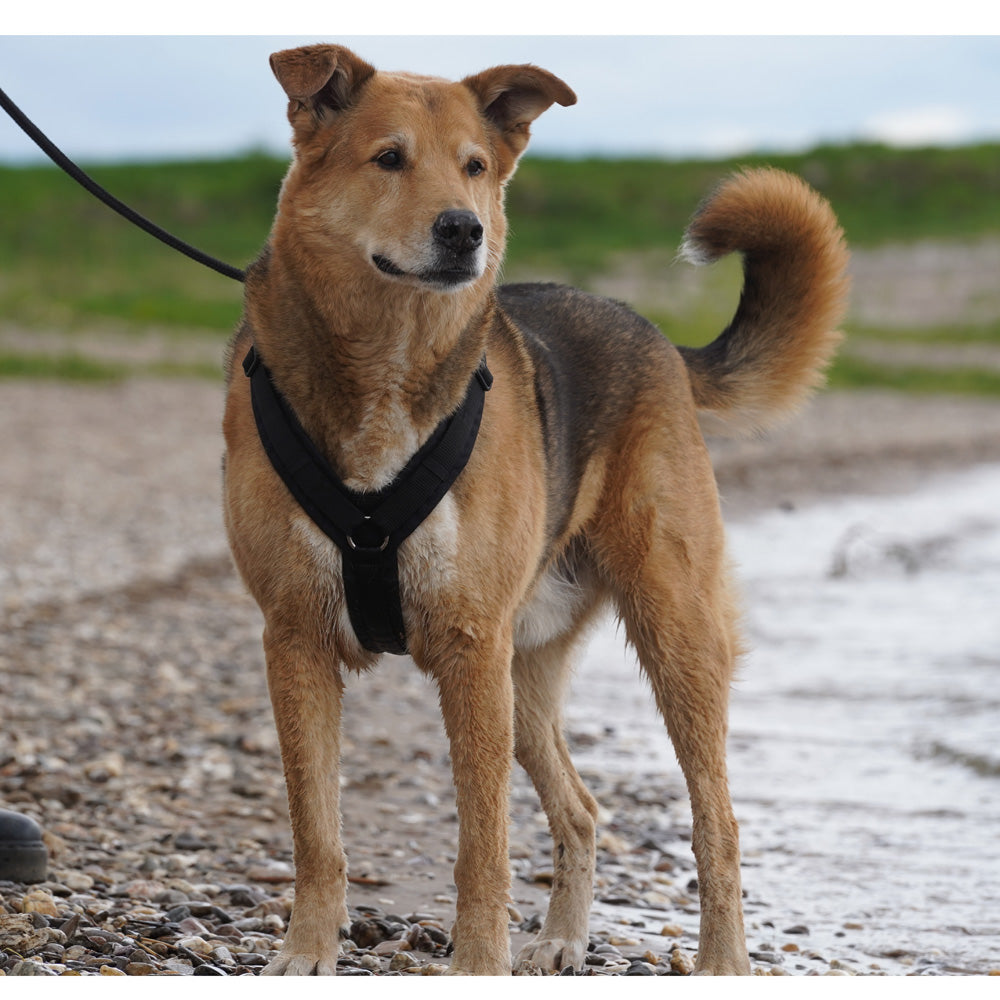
320	80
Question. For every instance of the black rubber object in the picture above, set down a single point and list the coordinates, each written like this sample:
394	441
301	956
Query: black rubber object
23	857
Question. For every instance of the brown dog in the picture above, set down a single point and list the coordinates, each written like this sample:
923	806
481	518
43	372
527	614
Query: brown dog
372	305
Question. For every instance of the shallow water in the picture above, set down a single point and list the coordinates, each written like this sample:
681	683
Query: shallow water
865	727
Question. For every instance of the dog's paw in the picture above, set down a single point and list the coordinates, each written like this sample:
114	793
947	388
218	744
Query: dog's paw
293	964
735	967
489	969
729	963
553	954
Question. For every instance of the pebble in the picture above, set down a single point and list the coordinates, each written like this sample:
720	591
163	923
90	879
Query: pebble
75	882
140	969
401	960
197	945
19	935
39	901
641	969
388	947
222	955
29	968
178	967
681	962
251	958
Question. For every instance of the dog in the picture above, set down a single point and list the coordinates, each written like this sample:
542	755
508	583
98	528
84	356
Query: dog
373	304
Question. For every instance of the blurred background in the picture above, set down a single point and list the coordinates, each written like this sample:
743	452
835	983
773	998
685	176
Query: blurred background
902	134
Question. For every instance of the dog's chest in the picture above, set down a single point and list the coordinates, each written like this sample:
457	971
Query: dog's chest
427	563
383	442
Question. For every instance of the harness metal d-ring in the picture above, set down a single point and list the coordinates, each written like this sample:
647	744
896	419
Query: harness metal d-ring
367	548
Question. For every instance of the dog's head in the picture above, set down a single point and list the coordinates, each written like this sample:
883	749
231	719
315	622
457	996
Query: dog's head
403	175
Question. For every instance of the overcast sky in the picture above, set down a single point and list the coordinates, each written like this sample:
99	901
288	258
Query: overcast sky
152	96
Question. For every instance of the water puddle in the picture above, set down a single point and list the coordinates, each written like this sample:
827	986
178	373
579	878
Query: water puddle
865	727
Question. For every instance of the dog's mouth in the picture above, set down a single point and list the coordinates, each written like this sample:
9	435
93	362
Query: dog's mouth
448	277
386	266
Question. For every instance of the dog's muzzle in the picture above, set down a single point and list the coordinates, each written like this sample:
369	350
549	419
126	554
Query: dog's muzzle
457	255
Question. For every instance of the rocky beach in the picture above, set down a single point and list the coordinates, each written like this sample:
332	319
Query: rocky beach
135	725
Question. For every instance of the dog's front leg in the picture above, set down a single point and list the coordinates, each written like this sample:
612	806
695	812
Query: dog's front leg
306	688
477	703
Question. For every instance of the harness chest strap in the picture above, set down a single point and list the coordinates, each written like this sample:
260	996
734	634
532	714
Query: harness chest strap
368	528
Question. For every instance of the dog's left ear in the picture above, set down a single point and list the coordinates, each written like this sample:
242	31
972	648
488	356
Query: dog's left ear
512	97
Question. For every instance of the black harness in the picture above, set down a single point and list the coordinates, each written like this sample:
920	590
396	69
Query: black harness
368	528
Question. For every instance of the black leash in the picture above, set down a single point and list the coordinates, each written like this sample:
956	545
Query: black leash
62	160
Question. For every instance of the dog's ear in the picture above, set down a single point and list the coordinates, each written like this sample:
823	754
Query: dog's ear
512	97
319	80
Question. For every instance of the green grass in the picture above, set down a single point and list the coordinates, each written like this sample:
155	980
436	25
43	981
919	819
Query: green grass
64	257
850	372
68	367
74	367
584	209
69	263
960	333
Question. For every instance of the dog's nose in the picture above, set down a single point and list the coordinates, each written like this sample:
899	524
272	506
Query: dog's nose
458	229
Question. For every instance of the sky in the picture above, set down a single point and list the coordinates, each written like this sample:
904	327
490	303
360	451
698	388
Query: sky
104	97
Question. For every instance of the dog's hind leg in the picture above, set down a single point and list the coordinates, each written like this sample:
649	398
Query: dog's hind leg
476	695
664	551
306	689
540	680
686	658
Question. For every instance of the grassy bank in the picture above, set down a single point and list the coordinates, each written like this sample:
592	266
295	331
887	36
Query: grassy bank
583	211
67	263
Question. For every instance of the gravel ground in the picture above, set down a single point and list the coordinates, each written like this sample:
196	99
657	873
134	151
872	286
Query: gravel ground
136	726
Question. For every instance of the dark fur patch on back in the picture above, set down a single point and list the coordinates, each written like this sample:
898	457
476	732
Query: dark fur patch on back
593	357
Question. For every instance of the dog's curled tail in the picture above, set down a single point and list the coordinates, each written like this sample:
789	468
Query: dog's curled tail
784	334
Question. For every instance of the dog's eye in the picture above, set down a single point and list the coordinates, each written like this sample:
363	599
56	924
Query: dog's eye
391	159
475	167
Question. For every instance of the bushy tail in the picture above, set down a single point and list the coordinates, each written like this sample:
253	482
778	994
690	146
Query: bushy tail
784	333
